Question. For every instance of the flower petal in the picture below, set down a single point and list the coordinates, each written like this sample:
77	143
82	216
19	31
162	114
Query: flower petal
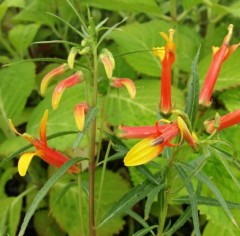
108	62
79	114
143	152
67	83
24	162
127	83
43	127
50	76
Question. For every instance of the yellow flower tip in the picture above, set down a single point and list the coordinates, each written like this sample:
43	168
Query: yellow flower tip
71	57
159	52
50	76
127	83
229	35
108	61
66	83
24	162
214	50
43	127
143	152
79	114
191	139
11	125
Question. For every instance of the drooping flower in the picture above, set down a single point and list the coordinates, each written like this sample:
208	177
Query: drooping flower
219	56
167	57
71	57
150	147
79	114
50	76
190	138
226	121
108	62
46	153
66	83
124	82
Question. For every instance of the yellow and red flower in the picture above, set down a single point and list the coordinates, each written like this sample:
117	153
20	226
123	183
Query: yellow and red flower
79	114
125	82
167	56
226	121
66	83
219	56
46	153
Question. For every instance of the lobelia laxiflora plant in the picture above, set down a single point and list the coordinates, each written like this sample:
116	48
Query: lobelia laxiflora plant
84	112
170	134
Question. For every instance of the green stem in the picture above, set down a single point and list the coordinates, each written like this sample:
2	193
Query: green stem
163	214
173	10
102	179
92	230
80	201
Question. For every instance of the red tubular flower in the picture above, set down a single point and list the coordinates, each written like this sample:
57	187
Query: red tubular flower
130	132
226	121
46	153
67	83
79	114
51	75
125	82
219	56
150	147
167	58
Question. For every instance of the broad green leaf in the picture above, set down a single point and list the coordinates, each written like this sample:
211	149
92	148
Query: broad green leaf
16	84
45	224
230	98
15	3
229	74
43	192
147	174
129	200
136	42
188	4
21	37
193	92
149	6
6	176
192	198
3	10
213	228
69	217
35	12
121	109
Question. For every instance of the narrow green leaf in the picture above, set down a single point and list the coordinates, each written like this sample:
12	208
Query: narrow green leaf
192	198
67	23
150	198
139	219
57	41
91	115
144	231
129	200
193	91
201	176
147	173
43	192
220	156
202	200
180	221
